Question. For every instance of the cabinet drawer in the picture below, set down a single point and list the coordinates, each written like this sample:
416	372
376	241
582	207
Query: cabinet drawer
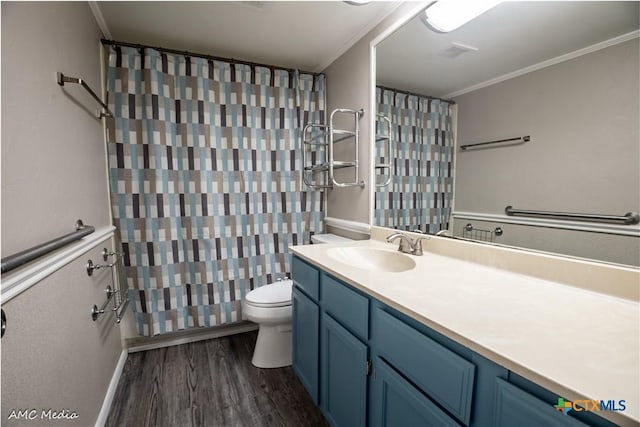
515	407
345	305
443	375
306	277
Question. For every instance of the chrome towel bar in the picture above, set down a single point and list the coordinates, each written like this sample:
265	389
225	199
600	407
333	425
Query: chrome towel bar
62	79
16	260
630	218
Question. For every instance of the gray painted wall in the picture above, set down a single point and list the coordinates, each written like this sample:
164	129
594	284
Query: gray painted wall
582	116
348	86
53	172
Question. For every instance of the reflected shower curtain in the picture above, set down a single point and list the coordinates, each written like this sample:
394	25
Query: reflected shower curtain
205	181
420	193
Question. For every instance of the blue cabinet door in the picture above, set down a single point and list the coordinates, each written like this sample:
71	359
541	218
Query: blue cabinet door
397	403
343	381
515	407
306	340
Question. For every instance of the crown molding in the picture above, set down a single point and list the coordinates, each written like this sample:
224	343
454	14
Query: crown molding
97	14
544	64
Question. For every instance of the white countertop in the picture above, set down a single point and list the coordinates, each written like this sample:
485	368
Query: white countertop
577	343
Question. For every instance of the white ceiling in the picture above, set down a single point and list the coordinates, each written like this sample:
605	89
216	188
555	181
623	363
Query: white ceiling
512	36
308	35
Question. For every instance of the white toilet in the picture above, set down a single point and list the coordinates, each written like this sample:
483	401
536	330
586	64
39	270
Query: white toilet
270	307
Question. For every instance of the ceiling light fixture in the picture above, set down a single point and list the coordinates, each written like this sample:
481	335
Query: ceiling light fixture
447	15
357	2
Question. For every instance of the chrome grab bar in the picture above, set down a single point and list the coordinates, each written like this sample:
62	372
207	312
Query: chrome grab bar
16	260
62	79
630	218
514	141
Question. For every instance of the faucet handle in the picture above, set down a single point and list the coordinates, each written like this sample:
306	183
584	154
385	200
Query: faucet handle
406	245
417	245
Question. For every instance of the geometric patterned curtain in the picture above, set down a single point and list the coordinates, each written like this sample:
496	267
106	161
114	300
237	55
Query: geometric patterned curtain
420	193
205	181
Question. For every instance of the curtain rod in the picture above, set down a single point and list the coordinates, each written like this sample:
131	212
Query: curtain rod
205	56
406	92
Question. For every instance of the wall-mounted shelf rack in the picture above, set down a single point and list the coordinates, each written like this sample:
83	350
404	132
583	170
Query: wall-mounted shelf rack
382	135
320	139
511	141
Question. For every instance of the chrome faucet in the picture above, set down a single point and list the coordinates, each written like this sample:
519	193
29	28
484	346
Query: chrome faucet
443	232
408	246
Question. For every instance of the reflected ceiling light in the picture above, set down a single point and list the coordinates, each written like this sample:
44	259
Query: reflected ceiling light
357	2
447	15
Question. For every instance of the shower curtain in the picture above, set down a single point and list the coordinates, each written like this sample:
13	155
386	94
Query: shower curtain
205	181
420	193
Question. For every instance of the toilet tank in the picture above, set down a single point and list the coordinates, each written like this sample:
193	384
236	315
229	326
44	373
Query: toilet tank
328	238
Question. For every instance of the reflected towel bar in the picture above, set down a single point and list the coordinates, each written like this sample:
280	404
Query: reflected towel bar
62	79
630	218
518	140
14	261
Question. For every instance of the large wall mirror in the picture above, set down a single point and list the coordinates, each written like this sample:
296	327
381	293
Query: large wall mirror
532	106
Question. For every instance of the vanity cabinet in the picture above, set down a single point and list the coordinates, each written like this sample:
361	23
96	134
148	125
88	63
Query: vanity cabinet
367	364
330	351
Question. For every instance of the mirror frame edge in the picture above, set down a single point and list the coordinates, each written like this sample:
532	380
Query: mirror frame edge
403	19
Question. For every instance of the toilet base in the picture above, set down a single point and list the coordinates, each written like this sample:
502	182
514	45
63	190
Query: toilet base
273	346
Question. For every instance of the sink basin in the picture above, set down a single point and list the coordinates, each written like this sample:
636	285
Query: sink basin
372	259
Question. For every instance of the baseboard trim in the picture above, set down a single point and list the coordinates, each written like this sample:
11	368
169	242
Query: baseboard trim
184	337
111	391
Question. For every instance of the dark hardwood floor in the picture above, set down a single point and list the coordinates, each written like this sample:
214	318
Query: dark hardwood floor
209	383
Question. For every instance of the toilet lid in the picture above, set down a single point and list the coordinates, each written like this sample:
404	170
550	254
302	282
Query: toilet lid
275	295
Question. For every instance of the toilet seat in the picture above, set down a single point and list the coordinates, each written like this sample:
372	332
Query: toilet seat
268	296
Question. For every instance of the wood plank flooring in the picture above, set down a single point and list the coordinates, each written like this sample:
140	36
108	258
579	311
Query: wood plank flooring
209	383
